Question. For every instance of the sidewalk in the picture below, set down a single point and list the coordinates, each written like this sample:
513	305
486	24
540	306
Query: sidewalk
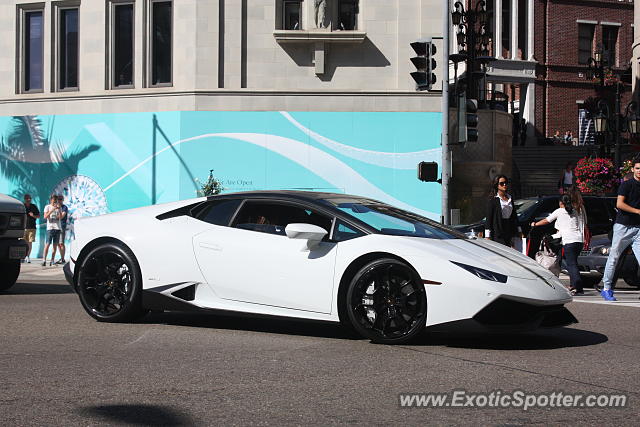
35	272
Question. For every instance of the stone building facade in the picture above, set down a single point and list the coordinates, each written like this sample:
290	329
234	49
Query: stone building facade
226	55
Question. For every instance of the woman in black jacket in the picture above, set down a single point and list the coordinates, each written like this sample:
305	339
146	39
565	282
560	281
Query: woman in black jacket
502	220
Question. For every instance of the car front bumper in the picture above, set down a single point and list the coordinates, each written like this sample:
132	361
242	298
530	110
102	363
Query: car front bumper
13	249
68	275
592	265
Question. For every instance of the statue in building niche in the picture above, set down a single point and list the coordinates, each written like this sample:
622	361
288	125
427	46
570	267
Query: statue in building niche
320	13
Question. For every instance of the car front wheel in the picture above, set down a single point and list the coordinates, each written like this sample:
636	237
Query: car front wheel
386	302
110	285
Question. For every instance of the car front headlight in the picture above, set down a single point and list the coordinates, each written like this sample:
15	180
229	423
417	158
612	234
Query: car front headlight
601	250
16	221
482	273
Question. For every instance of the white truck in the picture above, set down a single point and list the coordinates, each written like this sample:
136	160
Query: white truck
12	248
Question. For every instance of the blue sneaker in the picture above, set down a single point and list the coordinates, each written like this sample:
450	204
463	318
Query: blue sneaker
608	295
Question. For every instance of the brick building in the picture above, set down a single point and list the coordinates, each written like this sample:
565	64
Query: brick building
541	58
567	33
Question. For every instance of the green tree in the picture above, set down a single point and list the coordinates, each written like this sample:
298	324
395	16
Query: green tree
212	187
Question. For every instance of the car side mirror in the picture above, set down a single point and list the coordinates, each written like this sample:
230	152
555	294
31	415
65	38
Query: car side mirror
313	234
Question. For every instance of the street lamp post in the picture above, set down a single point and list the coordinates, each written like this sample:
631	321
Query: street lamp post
473	38
597	68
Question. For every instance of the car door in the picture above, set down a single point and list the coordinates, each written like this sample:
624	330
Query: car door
253	261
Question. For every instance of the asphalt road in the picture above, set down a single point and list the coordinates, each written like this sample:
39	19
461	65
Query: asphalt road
60	367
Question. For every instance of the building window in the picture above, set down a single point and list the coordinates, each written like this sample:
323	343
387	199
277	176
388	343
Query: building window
67	48
585	42
122	45
347	15
160	48
292	12
32	51
609	42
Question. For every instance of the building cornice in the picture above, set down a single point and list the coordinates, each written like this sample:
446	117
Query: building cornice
27	98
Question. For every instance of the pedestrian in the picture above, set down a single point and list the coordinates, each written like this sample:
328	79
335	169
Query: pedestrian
523	132
568	138
567	178
557	139
52	214
501	224
63	227
626	229
30	231
570	221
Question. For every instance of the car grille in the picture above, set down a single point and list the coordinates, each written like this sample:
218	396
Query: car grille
505	312
585	253
4	222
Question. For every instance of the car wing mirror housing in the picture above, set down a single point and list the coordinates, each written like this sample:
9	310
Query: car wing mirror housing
313	234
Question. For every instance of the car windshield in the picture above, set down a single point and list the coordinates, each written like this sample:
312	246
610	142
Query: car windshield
393	221
523	206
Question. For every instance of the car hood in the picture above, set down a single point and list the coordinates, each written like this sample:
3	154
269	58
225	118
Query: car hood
9	204
483	254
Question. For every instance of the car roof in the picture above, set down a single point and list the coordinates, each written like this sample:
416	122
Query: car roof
311	196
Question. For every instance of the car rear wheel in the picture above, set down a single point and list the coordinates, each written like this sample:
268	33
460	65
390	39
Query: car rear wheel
9	272
386	302
110	284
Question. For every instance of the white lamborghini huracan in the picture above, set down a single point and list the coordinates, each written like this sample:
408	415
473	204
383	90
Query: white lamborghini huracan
384	272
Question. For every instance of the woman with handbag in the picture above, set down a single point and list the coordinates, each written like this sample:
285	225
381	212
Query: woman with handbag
502	220
571	223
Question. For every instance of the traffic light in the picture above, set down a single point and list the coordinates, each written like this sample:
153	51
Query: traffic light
467	119
425	63
428	171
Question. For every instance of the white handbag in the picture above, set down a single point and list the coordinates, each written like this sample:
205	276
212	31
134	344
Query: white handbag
548	259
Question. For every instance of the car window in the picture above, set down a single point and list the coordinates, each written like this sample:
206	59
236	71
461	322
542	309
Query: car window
524	207
217	212
596	211
273	217
344	231
393	221
546	207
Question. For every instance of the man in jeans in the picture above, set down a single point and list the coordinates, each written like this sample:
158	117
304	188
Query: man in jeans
64	210
53	215
626	230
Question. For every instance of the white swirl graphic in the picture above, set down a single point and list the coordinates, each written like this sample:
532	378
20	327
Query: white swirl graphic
407	161
327	167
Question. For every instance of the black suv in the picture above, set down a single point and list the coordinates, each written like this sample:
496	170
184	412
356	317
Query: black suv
601	213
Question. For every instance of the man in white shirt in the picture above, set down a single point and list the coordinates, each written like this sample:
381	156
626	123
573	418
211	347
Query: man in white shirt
53	215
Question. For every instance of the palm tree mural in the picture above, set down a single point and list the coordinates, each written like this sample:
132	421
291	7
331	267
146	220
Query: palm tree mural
33	164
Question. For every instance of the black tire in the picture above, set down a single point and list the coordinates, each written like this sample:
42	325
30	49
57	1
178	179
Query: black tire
9	272
632	281
110	284
386	302
590	282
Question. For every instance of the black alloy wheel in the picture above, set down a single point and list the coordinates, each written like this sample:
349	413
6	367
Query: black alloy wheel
109	284
387	302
